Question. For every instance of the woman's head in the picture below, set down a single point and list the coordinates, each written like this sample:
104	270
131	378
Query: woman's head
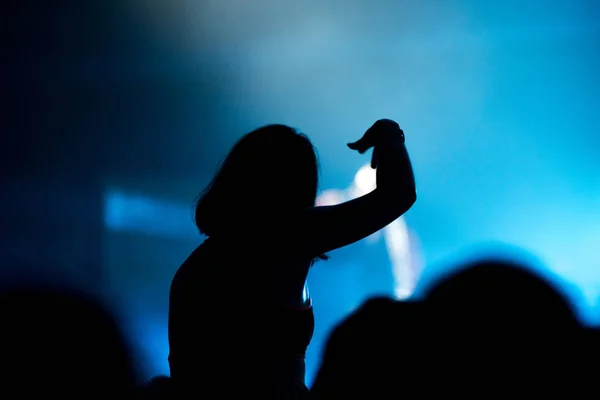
269	171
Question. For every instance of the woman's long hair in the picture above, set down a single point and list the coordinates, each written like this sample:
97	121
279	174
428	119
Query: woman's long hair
269	172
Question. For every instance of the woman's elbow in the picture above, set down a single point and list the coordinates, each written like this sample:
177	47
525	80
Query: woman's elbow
407	199
400	201
411	197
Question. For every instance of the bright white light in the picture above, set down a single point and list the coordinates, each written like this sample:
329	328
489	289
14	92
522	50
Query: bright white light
396	235
397	241
331	197
365	179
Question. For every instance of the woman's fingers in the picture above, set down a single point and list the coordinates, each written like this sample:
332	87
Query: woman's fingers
358	146
353	146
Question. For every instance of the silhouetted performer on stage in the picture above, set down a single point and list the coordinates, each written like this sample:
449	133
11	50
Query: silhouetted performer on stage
240	317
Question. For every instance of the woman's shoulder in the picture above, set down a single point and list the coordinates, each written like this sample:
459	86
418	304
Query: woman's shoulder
197	259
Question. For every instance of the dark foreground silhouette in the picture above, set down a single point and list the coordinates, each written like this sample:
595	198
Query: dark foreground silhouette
492	328
61	344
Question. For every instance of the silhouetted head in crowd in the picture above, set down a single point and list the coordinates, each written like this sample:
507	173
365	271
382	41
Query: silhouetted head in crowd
511	329
271	171
501	293
61	344
377	352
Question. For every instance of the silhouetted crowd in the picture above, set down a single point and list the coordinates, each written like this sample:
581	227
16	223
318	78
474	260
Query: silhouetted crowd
490	328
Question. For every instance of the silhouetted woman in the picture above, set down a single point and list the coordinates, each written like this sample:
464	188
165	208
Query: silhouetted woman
240	317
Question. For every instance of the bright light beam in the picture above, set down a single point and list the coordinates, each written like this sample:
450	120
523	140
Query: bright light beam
396	234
